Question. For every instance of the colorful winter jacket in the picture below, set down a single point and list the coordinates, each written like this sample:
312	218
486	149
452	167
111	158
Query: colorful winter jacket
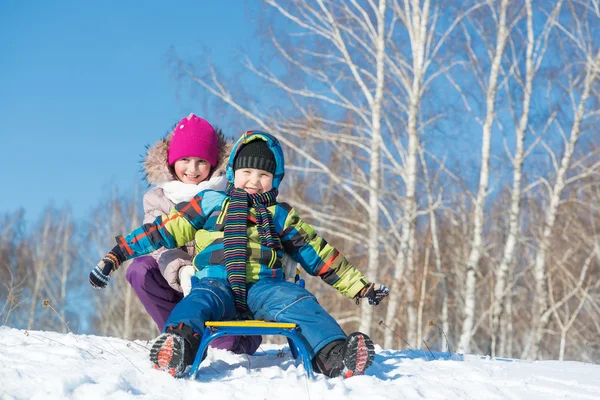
203	218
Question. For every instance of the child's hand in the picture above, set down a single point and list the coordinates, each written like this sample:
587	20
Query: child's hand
375	292
100	275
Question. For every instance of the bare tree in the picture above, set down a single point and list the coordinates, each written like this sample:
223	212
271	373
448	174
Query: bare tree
51	268
502	32
117	311
413	75
584	285
540	315
12	282
420	27
532	65
435	242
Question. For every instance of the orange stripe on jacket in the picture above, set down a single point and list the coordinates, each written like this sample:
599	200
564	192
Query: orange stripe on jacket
328	264
179	214
125	245
196	206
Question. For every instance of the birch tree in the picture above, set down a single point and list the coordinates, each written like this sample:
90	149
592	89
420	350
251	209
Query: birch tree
437	255
117	310
51	267
11	276
532	65
585	286
413	74
541	316
416	19
502	32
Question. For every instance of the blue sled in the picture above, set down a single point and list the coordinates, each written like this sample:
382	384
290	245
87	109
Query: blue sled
216	329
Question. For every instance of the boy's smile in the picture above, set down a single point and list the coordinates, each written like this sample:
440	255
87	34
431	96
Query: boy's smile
253	181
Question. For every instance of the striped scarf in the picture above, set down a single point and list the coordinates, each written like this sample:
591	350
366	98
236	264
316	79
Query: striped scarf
235	238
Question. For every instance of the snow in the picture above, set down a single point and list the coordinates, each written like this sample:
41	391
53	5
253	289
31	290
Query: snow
51	365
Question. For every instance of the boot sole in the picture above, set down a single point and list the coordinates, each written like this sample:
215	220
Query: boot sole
167	355
358	355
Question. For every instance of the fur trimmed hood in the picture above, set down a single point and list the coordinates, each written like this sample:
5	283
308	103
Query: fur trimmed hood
155	163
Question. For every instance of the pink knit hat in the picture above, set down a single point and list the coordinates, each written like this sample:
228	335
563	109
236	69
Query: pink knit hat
194	137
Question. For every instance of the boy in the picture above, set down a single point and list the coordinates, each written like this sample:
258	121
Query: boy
241	236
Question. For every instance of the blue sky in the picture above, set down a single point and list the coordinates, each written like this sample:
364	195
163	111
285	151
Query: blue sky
84	86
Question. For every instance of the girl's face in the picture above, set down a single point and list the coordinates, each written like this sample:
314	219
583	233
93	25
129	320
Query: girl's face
192	170
253	180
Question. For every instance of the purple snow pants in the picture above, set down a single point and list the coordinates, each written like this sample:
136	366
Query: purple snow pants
159	299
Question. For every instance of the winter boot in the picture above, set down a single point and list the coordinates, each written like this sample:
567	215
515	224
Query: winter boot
346	358
175	350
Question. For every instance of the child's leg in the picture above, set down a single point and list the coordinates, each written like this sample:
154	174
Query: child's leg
288	302
209	300
175	349
332	352
157	297
215	299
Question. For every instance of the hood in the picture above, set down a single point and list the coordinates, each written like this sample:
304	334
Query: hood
155	164
274	146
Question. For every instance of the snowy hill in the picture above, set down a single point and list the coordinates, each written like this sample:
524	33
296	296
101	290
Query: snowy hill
50	365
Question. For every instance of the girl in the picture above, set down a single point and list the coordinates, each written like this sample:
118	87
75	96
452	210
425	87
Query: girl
190	159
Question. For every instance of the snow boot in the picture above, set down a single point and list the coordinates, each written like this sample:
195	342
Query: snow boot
345	358
175	349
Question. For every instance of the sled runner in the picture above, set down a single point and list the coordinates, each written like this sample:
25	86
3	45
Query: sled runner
215	329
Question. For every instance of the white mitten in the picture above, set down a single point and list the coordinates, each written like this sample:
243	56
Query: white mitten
289	267
170	262
185	278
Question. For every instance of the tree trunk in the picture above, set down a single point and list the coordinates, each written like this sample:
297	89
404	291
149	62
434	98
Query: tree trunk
375	166
515	210
404	260
540	315
39	263
478	217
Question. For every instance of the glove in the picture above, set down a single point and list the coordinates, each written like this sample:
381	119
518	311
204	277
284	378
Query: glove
100	275
185	278
170	262
375	292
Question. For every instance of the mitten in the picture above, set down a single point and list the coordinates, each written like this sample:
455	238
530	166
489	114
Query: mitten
100	275
375	292
170	263
185	278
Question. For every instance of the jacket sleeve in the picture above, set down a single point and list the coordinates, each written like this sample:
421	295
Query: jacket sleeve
170	231
316	256
153	208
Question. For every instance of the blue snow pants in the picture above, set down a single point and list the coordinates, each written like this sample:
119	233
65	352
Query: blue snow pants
211	299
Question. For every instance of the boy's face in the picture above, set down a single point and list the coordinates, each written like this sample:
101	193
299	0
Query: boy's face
192	170
253	180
